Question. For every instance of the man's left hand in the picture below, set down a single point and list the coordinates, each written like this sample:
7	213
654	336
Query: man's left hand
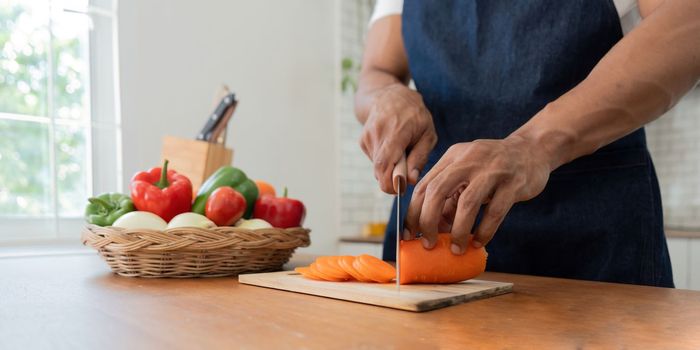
497	173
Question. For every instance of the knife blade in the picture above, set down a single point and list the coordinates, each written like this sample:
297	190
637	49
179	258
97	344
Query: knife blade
220	113
398	177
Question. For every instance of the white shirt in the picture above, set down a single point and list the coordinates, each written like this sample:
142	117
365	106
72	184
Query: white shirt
626	9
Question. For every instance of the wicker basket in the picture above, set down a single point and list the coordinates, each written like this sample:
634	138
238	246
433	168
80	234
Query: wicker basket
194	252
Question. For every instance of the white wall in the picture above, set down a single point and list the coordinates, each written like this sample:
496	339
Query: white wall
280	59
361	199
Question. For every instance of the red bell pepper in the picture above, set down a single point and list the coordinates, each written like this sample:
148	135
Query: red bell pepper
280	212
162	192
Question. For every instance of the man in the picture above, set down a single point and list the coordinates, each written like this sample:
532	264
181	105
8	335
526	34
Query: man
525	132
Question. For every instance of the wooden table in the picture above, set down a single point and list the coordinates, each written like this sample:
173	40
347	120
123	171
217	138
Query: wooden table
74	302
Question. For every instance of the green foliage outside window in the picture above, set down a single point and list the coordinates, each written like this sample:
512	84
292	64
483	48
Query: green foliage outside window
25	149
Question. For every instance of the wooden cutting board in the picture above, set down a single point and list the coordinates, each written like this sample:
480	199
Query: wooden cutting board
415	297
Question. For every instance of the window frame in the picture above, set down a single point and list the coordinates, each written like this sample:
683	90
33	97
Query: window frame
54	227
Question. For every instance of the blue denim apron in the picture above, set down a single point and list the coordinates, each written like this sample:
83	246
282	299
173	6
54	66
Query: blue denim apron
484	68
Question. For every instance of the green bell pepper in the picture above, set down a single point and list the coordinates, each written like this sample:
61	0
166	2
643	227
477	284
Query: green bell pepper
231	177
106	208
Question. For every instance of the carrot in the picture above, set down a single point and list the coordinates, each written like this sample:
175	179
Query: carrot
374	268
336	263
314	270
328	265
346	262
439	265
306	272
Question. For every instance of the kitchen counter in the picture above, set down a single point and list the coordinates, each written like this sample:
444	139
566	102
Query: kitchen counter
682	233
361	239
73	301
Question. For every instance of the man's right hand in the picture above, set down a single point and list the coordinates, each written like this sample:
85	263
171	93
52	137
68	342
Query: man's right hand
398	123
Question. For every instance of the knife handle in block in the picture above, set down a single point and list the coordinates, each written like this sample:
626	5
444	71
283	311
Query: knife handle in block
220	128
399	175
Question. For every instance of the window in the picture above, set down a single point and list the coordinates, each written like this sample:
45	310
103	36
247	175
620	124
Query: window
59	119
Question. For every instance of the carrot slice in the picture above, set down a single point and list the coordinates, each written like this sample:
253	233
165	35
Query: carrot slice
381	270
346	262
328	265
374	268
355	265
314	269
334	262
306	272
439	265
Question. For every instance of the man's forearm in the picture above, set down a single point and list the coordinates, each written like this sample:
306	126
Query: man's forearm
384	63
643	76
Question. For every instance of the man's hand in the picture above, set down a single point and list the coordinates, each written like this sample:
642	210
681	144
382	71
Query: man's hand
398	121
497	173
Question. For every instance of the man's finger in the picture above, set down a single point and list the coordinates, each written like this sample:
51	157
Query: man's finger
414	209
436	194
387	156
494	213
419	156
413	212
474	195
383	166
448	214
365	145
430	175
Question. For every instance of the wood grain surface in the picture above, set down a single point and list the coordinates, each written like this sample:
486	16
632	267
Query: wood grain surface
74	302
416	297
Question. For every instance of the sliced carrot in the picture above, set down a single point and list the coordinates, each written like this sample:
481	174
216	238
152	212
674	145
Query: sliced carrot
306	272
374	268
382	270
346	262
439	265
314	269
356	265
328	265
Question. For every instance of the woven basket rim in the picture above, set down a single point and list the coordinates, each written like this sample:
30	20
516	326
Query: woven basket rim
116	239
197	229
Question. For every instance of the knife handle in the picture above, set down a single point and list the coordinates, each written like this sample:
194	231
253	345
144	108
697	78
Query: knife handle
215	118
399	175
220	127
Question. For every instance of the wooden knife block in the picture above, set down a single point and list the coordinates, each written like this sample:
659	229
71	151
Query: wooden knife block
195	159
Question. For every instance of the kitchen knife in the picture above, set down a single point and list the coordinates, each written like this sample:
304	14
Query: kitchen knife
219	133
216	135
398	178
222	111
